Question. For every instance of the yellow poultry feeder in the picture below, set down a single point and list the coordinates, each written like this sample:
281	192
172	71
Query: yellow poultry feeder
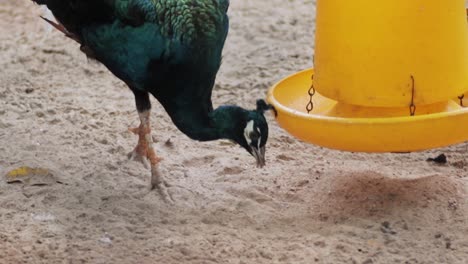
389	77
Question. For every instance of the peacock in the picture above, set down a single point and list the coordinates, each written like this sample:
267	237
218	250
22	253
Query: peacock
172	50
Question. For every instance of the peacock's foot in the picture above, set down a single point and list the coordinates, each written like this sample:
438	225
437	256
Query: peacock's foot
135	156
145	154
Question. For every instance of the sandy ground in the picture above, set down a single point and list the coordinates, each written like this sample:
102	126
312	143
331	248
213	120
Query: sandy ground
69	116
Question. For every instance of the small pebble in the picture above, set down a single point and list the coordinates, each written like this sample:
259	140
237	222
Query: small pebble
441	159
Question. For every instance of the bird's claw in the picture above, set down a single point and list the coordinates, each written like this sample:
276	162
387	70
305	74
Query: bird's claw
145	154
134	130
135	156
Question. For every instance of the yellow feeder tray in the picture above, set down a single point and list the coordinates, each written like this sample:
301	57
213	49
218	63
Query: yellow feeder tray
365	129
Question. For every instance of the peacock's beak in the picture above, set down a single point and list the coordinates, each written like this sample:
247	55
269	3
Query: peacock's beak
259	155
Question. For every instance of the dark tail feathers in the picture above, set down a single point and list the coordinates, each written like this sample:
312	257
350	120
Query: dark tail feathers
74	15
62	29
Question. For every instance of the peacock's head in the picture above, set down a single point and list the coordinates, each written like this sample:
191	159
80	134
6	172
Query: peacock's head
254	133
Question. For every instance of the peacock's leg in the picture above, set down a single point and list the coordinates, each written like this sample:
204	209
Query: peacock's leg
144	151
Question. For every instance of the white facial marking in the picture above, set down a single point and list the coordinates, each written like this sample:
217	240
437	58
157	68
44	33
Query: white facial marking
259	138
249	128
258	142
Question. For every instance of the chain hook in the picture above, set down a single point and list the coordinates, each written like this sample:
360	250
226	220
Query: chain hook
461	97
311	92
412	105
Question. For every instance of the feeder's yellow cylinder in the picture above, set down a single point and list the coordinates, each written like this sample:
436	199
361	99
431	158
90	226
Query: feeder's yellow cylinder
366	51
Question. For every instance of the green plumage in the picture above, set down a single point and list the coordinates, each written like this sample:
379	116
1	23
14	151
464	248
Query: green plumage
186	20
169	48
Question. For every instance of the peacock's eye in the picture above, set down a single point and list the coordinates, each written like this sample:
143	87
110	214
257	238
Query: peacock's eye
254	136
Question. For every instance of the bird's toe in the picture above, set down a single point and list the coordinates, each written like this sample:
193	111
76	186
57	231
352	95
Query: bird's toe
135	156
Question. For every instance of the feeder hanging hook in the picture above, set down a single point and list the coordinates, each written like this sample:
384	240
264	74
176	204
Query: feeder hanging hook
310	105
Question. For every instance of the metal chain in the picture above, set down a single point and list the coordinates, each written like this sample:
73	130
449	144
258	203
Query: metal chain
412	105
310	105
461	99
311	92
